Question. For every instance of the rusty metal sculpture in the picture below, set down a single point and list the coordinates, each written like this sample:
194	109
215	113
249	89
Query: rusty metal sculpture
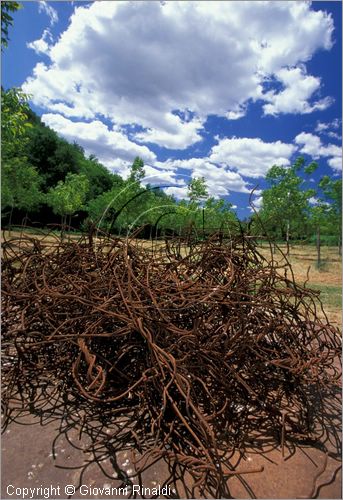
199	349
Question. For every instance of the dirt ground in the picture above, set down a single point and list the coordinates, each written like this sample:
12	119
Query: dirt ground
327	278
35	456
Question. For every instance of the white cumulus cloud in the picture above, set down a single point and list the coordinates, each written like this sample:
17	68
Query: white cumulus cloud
295	97
251	156
167	67
178	135
336	162
312	145
256	204
220	181
43	44
111	147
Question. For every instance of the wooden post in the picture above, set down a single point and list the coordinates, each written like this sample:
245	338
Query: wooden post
318	246
203	223
287	238
10	220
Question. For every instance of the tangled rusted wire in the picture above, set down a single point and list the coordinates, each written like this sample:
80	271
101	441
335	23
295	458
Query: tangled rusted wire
186	352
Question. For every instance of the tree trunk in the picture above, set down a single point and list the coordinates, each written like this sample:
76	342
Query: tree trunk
339	245
69	224
23	225
10	220
318	246
203	223
63	222
287	238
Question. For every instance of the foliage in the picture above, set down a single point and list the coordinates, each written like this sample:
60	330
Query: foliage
52	156
100	179
56	167
20	186
218	215
68	196
332	193
103	208
20	180
14	120
7	20
197	190
137	171
285	204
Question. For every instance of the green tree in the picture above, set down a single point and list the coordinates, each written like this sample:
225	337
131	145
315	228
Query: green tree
7	20
14	121
20	180
131	200
20	186
137	171
68	196
52	156
99	177
285	204
103	209
318	219
197	190
219	215
332	193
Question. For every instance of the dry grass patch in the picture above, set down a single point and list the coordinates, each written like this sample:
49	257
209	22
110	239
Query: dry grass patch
327	278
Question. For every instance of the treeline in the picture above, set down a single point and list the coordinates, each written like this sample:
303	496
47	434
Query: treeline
47	179
291	210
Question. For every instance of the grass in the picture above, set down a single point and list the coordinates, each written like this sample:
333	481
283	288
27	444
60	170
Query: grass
327	278
331	295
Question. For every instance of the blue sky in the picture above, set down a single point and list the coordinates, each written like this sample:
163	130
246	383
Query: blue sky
222	90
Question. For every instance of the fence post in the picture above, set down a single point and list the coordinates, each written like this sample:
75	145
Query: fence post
318	246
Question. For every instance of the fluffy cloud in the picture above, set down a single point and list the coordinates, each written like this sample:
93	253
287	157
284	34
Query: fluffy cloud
336	162
251	157
166	67
298	89
256	204
180	193
117	152
328	128
157	176
219	180
312	145
111	147
178	135
42	45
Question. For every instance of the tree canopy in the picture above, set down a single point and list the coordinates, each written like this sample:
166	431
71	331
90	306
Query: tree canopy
7	20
